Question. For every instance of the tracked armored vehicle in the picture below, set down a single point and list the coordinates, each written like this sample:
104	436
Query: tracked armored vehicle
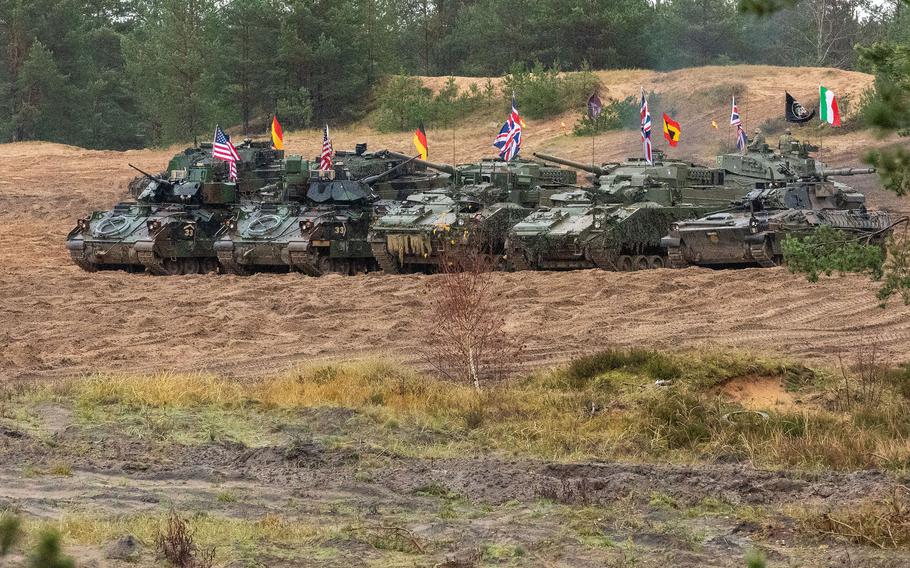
477	211
395	176
752	233
617	224
171	226
316	224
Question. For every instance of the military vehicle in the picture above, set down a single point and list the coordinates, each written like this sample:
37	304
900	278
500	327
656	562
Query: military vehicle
485	201
408	177
617	224
171	225
316	224
762	166
752	232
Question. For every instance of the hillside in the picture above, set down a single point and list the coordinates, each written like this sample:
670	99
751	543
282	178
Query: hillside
61	321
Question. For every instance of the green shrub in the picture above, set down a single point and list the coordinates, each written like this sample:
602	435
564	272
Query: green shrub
10	532
404	102
48	553
621	114
825	250
585	368
542	92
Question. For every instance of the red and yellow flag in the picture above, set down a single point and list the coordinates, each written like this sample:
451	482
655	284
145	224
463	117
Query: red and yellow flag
671	130
420	142
277	134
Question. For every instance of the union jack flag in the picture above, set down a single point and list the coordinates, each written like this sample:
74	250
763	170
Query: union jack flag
223	150
325	159
741	140
509	138
646	128
735	120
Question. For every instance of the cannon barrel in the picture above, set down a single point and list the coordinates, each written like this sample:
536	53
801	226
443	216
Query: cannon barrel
390	171
162	181
432	165
849	171
578	165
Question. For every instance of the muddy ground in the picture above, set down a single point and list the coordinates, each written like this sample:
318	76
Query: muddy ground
358	506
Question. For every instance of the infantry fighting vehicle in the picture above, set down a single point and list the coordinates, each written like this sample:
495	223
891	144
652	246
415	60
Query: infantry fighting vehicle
752	233
315	224
485	201
617	224
171	225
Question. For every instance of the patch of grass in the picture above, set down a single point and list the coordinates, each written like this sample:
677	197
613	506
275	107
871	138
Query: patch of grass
228	535
494	551
60	470
882	523
226	497
606	405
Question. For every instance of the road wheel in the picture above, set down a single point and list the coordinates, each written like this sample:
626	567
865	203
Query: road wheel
640	262
189	266
170	267
624	263
657	262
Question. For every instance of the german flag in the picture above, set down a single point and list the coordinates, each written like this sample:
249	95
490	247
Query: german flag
277	134
671	130
420	142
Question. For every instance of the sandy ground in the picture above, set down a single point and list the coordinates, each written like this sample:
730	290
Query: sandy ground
59	321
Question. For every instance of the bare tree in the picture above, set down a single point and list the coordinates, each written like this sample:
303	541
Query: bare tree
466	339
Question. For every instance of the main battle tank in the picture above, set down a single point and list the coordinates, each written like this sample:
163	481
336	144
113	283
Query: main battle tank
316	224
487	199
172	224
395	176
763	166
752	232
617	224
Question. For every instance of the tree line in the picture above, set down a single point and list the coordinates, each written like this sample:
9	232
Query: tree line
129	73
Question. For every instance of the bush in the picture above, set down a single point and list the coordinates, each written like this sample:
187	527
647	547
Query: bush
10	532
48	554
542	92
826	249
620	114
403	102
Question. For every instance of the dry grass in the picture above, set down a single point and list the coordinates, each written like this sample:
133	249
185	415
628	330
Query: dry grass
638	405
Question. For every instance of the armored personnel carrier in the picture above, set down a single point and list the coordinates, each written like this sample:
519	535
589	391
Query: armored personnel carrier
171	225
485	201
752	233
617	224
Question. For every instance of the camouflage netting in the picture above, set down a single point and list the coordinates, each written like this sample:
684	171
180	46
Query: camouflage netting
644	228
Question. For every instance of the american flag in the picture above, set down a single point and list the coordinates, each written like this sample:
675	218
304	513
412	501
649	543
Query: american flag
223	150
646	128
509	138
734	115
325	159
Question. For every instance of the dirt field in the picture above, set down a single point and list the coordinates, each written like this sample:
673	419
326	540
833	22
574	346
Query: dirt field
59	322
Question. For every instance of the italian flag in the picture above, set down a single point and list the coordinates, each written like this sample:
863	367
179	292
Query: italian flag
828	111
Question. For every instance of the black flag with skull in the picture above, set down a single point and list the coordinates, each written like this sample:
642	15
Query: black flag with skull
797	112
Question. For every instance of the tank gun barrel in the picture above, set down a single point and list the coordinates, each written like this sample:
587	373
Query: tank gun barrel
432	165
849	171
150	176
578	165
390	171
